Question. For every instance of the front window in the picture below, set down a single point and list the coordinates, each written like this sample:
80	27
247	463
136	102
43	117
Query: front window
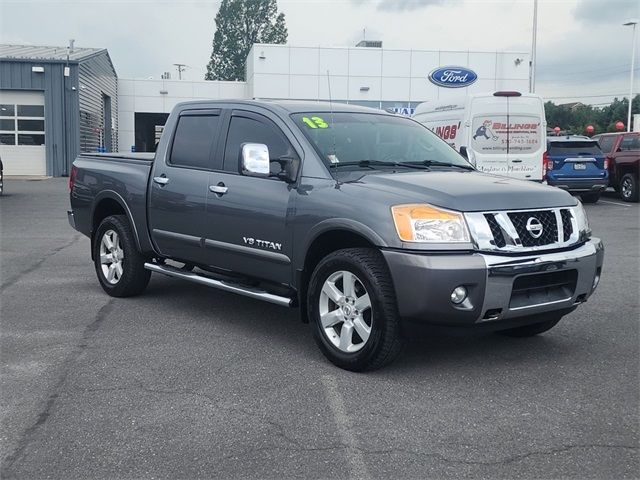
375	140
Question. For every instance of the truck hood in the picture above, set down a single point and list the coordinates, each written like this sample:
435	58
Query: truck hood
467	191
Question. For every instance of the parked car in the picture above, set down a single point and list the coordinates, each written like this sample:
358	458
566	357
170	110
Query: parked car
362	219
575	163
499	132
623	153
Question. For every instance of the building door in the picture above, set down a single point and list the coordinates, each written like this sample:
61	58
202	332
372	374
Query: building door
22	137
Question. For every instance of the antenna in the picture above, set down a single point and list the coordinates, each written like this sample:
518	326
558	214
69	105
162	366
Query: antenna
333	131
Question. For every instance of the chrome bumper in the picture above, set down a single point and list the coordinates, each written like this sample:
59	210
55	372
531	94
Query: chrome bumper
501	272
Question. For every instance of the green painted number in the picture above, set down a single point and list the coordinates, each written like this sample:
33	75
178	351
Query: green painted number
315	122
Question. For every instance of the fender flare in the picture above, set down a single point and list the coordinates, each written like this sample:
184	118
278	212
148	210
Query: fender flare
113	195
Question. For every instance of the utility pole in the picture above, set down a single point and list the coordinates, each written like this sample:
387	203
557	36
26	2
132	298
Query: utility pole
532	63
181	68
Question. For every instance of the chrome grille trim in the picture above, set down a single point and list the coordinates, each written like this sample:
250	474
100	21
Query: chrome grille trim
511	242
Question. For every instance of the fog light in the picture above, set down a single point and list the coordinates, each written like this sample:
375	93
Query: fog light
596	280
458	295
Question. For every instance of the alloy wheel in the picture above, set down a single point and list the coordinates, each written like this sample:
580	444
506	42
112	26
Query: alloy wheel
111	257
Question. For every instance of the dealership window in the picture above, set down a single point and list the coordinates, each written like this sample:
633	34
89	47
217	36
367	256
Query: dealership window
22	125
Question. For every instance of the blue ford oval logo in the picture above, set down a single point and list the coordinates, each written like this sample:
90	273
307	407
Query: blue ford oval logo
453	77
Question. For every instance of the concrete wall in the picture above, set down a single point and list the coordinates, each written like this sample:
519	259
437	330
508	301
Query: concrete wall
160	96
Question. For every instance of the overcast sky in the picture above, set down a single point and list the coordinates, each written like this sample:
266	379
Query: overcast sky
584	52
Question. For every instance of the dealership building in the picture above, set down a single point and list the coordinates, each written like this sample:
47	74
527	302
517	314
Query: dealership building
132	119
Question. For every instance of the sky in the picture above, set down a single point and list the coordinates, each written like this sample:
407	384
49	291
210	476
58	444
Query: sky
583	50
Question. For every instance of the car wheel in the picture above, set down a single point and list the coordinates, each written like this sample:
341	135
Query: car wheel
352	307
629	188
531	330
590	198
119	265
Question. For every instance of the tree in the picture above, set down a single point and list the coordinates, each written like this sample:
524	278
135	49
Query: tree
240	24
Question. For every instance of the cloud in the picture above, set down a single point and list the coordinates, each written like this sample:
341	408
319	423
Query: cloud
600	12
400	5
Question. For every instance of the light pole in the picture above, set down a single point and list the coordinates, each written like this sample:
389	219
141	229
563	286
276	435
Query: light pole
532	62
633	22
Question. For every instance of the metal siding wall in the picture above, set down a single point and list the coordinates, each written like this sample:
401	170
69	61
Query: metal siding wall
60	106
97	78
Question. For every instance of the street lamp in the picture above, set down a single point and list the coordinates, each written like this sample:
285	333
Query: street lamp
634	22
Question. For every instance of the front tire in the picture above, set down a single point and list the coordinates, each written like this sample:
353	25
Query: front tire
119	265
352	306
590	198
629	188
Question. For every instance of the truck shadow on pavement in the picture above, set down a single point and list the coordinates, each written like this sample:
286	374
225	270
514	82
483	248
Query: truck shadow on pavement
281	328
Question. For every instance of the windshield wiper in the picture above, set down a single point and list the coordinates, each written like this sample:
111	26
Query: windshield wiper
371	163
438	163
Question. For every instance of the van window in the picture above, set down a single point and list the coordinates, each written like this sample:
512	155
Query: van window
193	141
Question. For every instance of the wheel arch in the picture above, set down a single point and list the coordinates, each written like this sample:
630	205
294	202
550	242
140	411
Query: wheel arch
324	239
107	203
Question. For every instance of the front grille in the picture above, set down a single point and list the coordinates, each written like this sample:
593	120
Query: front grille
496	231
547	219
541	288
567	227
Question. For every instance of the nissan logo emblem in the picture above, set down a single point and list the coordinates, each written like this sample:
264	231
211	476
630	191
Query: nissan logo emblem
534	227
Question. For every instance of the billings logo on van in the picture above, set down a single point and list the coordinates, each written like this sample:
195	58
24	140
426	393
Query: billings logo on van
453	77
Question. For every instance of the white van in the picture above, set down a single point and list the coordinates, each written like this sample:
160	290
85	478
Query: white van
502	132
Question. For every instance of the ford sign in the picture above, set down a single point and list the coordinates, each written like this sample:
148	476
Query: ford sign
453	77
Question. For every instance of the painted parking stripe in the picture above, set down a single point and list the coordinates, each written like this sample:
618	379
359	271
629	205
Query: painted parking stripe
616	203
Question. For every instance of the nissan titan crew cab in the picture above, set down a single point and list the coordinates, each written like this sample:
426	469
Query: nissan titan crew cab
361	219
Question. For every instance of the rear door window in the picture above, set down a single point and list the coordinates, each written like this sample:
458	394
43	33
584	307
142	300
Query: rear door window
194	140
574	149
606	143
630	142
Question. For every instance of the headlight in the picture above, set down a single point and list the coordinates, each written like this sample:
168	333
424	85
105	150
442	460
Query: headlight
581	219
426	223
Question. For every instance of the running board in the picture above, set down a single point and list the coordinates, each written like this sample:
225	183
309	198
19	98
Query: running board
219	284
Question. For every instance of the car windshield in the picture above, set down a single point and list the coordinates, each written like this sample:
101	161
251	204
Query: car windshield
376	141
587	147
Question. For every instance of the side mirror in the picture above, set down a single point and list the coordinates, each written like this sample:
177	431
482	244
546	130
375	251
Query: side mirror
463	152
255	159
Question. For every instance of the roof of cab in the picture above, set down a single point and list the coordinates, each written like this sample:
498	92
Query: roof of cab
291	106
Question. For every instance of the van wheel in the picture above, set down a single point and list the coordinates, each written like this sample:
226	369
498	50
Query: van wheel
119	265
629	188
352	306
590	198
531	330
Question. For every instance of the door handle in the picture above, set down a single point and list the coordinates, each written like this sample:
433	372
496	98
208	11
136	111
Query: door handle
161	180
219	189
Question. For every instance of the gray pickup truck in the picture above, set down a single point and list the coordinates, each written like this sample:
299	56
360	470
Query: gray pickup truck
364	220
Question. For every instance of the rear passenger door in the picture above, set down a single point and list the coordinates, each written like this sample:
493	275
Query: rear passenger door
247	216
179	186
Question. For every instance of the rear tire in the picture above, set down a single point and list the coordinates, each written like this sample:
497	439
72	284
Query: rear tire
352	305
119	265
629	188
590	198
531	330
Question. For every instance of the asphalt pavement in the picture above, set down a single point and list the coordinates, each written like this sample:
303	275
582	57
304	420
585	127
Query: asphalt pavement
189	382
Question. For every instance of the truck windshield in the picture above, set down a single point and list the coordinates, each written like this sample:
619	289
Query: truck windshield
369	140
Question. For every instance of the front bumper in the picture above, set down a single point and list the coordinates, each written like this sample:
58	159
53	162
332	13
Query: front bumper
500	288
590	185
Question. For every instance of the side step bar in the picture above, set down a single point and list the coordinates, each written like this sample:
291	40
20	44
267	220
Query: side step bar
219	284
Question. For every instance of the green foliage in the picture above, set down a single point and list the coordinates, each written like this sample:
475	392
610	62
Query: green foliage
240	24
575	118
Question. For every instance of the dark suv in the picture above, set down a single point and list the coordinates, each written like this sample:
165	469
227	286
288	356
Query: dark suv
576	164
623	154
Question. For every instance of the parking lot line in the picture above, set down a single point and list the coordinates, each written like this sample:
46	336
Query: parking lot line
616	203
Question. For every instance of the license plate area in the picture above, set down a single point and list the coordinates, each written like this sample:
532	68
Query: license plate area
579	166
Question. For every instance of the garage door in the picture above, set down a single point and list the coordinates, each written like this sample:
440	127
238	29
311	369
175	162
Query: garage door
22	140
